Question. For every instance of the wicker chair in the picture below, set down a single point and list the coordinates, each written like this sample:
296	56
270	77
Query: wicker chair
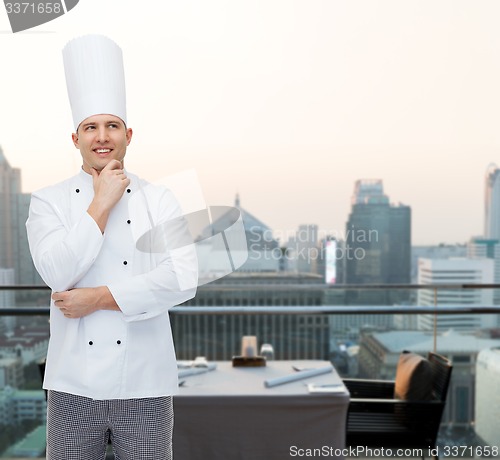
376	419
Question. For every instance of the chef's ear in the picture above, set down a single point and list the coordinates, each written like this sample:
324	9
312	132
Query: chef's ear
128	135
74	138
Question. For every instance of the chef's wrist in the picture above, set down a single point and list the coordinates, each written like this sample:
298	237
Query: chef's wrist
99	213
105	300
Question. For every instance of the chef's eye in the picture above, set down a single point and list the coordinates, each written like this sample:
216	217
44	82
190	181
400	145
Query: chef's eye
89	127
113	125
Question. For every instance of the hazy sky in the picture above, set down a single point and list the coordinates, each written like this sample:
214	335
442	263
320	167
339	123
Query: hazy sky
286	102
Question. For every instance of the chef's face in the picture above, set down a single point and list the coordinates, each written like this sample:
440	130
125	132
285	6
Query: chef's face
100	139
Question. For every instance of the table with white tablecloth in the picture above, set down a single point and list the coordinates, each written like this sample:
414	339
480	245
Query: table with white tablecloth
228	413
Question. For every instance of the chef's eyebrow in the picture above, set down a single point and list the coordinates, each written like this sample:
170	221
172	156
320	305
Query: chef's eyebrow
91	123
107	122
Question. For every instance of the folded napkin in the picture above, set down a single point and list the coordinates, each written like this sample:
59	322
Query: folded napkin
298	376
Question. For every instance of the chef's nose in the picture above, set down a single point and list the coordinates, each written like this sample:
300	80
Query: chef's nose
102	134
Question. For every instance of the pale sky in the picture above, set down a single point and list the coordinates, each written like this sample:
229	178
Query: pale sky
286	102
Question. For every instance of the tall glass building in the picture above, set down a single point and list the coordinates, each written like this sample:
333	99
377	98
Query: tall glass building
14	207
492	202
378	242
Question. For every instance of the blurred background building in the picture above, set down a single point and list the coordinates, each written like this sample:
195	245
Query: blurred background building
456	271
377	243
492	203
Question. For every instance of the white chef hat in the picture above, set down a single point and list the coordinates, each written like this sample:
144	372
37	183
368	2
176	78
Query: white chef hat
95	78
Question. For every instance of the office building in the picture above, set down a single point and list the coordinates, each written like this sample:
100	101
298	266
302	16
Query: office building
14	206
492	203
438	251
10	187
218	337
303	252
378	244
456	271
22	405
482	248
27	343
11	372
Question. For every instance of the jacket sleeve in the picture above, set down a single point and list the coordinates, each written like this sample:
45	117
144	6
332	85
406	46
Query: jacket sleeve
61	255
173	277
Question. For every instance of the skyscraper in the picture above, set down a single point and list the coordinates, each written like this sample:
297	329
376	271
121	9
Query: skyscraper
10	187
14	250
378	242
492	203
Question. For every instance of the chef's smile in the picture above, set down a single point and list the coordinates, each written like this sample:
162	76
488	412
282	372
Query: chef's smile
102	152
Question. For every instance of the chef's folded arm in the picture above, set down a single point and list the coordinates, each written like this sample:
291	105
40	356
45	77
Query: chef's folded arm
63	253
171	283
61	256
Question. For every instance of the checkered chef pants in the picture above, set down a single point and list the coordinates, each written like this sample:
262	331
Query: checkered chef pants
78	428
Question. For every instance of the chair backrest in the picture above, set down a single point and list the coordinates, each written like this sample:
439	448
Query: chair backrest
414	377
441	369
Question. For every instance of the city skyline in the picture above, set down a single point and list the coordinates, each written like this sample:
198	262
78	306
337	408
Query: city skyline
340	233
287	104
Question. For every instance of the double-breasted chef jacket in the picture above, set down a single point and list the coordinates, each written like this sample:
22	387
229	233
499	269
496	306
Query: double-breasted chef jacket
110	354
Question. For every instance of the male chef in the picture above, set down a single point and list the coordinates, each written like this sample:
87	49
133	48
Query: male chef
111	369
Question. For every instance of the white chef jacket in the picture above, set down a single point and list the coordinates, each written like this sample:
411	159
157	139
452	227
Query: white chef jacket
110	354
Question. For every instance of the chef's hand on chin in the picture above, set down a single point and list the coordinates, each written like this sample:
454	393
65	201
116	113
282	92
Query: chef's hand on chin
109	185
80	302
